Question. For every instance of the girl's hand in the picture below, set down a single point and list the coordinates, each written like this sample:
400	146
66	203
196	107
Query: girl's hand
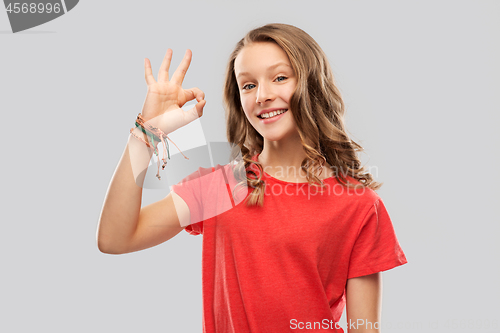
162	107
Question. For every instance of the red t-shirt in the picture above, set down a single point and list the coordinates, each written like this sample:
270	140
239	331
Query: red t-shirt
284	266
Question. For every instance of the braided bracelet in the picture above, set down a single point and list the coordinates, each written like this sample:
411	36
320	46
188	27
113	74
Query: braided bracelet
154	134
138	137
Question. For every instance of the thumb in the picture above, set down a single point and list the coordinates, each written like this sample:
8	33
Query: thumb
196	111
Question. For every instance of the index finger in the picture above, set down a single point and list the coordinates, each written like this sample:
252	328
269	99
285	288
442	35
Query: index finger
181	70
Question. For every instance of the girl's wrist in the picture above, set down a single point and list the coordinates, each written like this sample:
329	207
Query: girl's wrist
139	135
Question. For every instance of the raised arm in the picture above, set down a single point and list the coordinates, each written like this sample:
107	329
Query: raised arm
123	225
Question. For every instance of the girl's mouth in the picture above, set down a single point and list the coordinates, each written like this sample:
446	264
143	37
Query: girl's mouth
272	114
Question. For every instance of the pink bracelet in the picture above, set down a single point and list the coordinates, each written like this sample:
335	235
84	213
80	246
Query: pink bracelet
158	133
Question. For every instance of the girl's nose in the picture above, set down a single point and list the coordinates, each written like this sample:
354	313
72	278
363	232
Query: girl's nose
264	94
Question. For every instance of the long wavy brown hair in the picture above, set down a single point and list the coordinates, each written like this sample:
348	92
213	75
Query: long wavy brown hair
316	106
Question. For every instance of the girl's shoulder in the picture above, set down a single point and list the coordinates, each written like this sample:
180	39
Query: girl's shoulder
362	194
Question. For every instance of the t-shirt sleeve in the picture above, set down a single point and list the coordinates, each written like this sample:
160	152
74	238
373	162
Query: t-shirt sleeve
208	193
190	190
376	247
195	229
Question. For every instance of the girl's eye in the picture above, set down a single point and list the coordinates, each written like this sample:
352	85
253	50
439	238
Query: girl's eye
277	79
245	86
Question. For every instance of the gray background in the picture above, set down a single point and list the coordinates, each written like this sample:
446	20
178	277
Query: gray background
419	80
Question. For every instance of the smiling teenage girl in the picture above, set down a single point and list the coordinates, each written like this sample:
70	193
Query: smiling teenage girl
311	237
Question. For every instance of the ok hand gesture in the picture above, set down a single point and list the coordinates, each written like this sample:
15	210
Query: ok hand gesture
165	97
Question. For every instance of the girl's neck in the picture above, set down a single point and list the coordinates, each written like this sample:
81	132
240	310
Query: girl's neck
282	160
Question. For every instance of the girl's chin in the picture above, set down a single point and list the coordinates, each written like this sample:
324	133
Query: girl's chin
278	133
276	137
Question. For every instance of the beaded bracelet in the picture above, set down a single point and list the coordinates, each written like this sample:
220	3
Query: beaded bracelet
139	138
154	134
146	132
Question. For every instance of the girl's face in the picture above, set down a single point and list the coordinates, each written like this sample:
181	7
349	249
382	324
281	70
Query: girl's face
266	82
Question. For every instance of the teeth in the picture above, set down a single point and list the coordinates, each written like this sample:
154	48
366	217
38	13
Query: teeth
272	114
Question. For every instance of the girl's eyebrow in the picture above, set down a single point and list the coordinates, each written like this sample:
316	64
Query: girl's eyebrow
268	69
